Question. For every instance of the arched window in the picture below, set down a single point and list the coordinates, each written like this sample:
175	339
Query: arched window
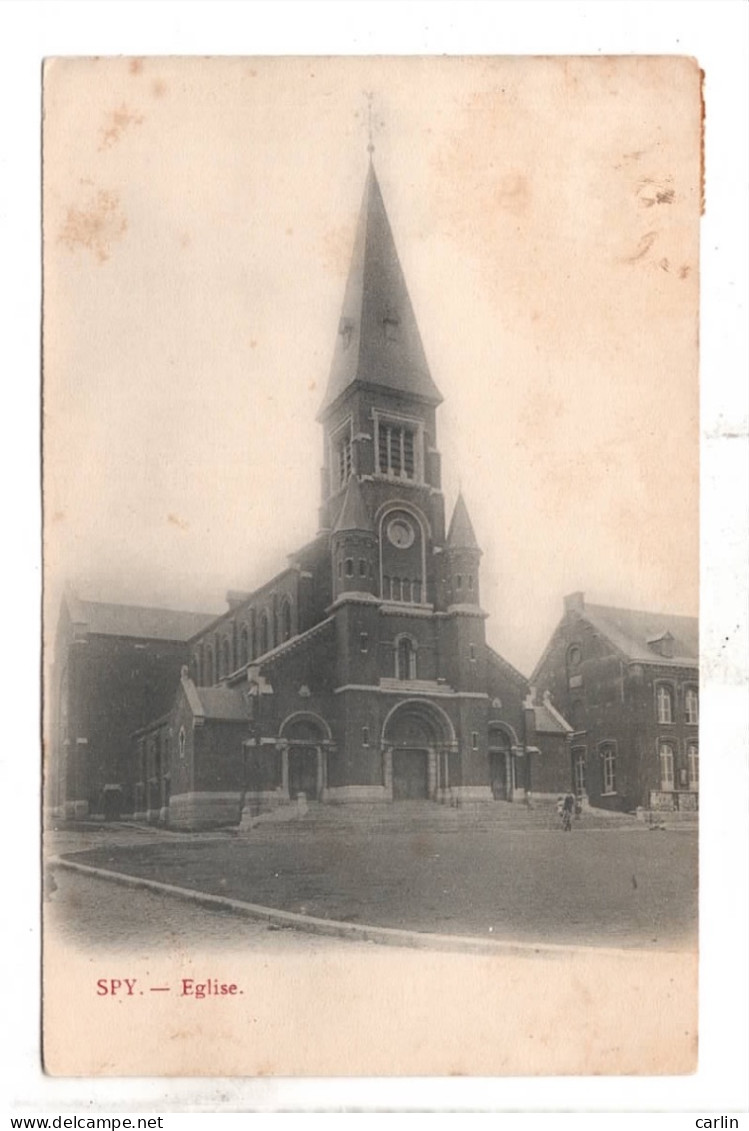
264	634
405	658
666	753
226	657
286	620
244	645
691	706
693	765
608	767
209	670
253	634
665	704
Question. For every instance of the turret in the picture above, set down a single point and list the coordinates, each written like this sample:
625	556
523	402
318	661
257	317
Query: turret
353	545
462	558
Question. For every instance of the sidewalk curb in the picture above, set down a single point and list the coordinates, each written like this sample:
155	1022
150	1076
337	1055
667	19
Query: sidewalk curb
389	936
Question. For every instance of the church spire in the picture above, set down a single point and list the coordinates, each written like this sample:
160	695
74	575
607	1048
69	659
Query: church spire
378	339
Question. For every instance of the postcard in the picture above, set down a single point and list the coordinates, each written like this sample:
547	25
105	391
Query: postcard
371	534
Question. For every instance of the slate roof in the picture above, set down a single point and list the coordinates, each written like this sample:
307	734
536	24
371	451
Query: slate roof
548	720
138	621
629	630
461	535
223	703
378	341
354	514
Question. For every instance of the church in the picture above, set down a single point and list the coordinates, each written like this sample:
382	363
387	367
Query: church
360	673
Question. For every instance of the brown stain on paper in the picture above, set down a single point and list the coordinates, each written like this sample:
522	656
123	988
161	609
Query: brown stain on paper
95	225
117	123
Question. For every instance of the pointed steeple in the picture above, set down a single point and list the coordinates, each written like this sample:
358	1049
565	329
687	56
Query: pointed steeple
378	340
354	514
461	534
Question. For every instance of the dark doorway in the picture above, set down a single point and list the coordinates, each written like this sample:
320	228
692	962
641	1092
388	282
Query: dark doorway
303	771
498	772
410	775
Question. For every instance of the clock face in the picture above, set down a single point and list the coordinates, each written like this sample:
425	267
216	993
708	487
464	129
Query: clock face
401	533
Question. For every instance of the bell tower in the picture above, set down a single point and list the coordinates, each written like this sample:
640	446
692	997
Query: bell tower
379	414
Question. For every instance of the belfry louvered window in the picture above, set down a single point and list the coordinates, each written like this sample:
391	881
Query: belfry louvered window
345	464
396	451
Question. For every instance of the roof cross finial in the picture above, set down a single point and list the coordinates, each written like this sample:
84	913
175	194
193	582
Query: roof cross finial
369	95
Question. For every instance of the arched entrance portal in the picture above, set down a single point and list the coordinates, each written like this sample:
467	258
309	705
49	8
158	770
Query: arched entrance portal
502	768
416	741
304	763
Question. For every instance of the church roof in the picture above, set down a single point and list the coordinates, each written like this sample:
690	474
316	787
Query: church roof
354	514
138	621
378	339
461	535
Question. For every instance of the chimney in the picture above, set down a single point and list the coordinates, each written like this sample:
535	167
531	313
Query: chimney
574	603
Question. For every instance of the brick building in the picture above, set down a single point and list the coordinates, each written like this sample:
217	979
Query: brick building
360	672
115	665
628	682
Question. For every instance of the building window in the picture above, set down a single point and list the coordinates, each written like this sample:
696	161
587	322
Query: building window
226	658
405	658
665	704
666	754
472	652
459	582
608	767
365	736
182	740
210	675
286	620
579	754
574	657
396	451
362	567
691	706
363	641
253	634
244	645
344	460
470	582
416	592
474	740
264	634
693	765
349	567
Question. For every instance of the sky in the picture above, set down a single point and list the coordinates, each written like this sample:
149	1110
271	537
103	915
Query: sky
199	220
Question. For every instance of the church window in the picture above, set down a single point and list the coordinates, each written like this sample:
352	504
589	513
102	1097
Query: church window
666	753
405	658
470	582
286	620
182	740
416	591
264	634
396	450
244	645
365	736
691	707
665	704
474	740
362	567
253	635
608	767
459	581
472	651
363	641
344	461
225	658
405	589
396	589
386	588
209	671
340	567
349	567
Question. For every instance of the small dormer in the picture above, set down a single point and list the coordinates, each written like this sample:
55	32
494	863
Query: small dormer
662	645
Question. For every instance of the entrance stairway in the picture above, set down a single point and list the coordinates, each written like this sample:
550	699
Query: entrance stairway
427	816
